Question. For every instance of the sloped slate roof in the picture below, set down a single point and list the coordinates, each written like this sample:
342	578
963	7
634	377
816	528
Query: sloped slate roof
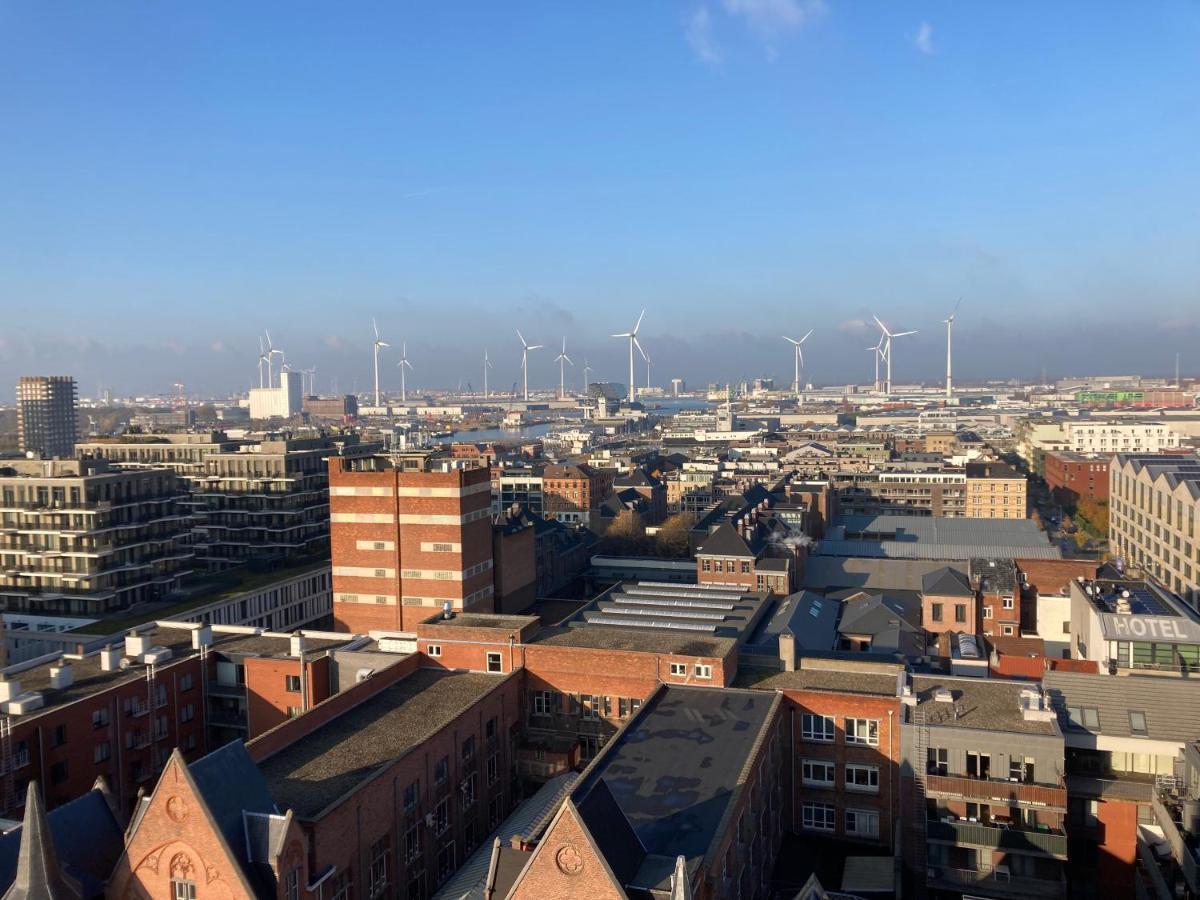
725	541
947	582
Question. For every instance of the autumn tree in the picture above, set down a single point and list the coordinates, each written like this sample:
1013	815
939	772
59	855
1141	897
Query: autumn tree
672	537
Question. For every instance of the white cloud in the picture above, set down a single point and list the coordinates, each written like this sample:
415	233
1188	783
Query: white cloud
770	19
923	39
698	33
853	326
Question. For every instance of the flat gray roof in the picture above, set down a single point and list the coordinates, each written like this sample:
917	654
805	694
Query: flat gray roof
982	703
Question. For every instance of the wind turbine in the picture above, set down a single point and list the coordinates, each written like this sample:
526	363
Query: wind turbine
487	364
796	385
949	323
646	357
586	372
378	345
262	358
633	342
525	350
563	361
887	348
402	365
878	351
271	351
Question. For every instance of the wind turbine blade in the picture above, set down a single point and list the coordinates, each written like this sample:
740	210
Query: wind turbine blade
954	311
805	338
903	333
639	322
880	324
625	335
522	337
568	359
792	341
376	327
639	348
268	334
534	347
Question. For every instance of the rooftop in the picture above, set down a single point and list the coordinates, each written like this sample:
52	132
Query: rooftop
718	610
936	537
837	681
1167	706
482	620
978	703
663	786
310	775
605	637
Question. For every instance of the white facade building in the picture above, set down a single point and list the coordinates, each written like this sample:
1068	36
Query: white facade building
281	402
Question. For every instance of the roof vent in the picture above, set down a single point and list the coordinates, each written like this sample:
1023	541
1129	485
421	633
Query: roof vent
156	655
136	644
943	695
201	637
9	689
109	659
62	677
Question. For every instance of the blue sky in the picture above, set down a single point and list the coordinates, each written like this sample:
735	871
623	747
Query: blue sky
180	176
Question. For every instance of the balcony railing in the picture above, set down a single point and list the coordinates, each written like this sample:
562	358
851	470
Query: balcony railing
993	882
1047	843
217	689
996	790
1185	855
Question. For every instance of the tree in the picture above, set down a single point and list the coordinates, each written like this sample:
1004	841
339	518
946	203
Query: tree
672	537
1095	514
625	536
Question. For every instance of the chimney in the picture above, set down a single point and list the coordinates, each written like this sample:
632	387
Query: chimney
9	689
201	637
136	644
62	677
787	650
296	645
109	659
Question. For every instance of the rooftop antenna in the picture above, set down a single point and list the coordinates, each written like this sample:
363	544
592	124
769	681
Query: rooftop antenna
799	361
404	364
377	346
633	342
563	361
887	348
949	323
526	348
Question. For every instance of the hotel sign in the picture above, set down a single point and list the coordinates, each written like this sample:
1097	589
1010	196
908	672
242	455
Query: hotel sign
1168	629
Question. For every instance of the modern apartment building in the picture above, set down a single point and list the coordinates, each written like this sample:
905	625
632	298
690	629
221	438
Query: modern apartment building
915	493
984	801
1154	508
249	499
78	537
47	415
406	541
1037	437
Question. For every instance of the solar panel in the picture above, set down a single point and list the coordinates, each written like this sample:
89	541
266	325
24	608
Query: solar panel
652	623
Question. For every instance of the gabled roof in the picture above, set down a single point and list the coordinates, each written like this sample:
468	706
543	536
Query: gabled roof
87	839
637	478
38	875
947	582
725	540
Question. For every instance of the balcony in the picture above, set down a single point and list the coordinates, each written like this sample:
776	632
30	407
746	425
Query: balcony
995	883
217	689
976	834
1183	846
995	790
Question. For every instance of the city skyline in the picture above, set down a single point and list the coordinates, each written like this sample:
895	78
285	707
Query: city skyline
182	180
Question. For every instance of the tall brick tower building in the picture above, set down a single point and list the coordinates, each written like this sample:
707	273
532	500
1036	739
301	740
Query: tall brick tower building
407	539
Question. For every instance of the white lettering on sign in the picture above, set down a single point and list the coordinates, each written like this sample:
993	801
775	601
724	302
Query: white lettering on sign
1141	627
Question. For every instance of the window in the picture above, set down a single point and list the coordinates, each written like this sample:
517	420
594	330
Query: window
863	779
338	890
1008	602
1137	722
183	890
703	671
818	817
468	750
960	612
412	843
441	770
187	713
445	862
377	877
1008	630
493	770
489	729
745	567
291	884
817	728
494	663
1083	718
185	681
441	816
102	752
679	669
935	612
292	683
60	736
817	773
862	731
1020	769
938	760
589	746
987	612
100	717
862	823
467	791
434	650
541	703
411	791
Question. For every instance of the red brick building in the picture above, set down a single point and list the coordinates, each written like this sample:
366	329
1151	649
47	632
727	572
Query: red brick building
405	541
1076	476
573	493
